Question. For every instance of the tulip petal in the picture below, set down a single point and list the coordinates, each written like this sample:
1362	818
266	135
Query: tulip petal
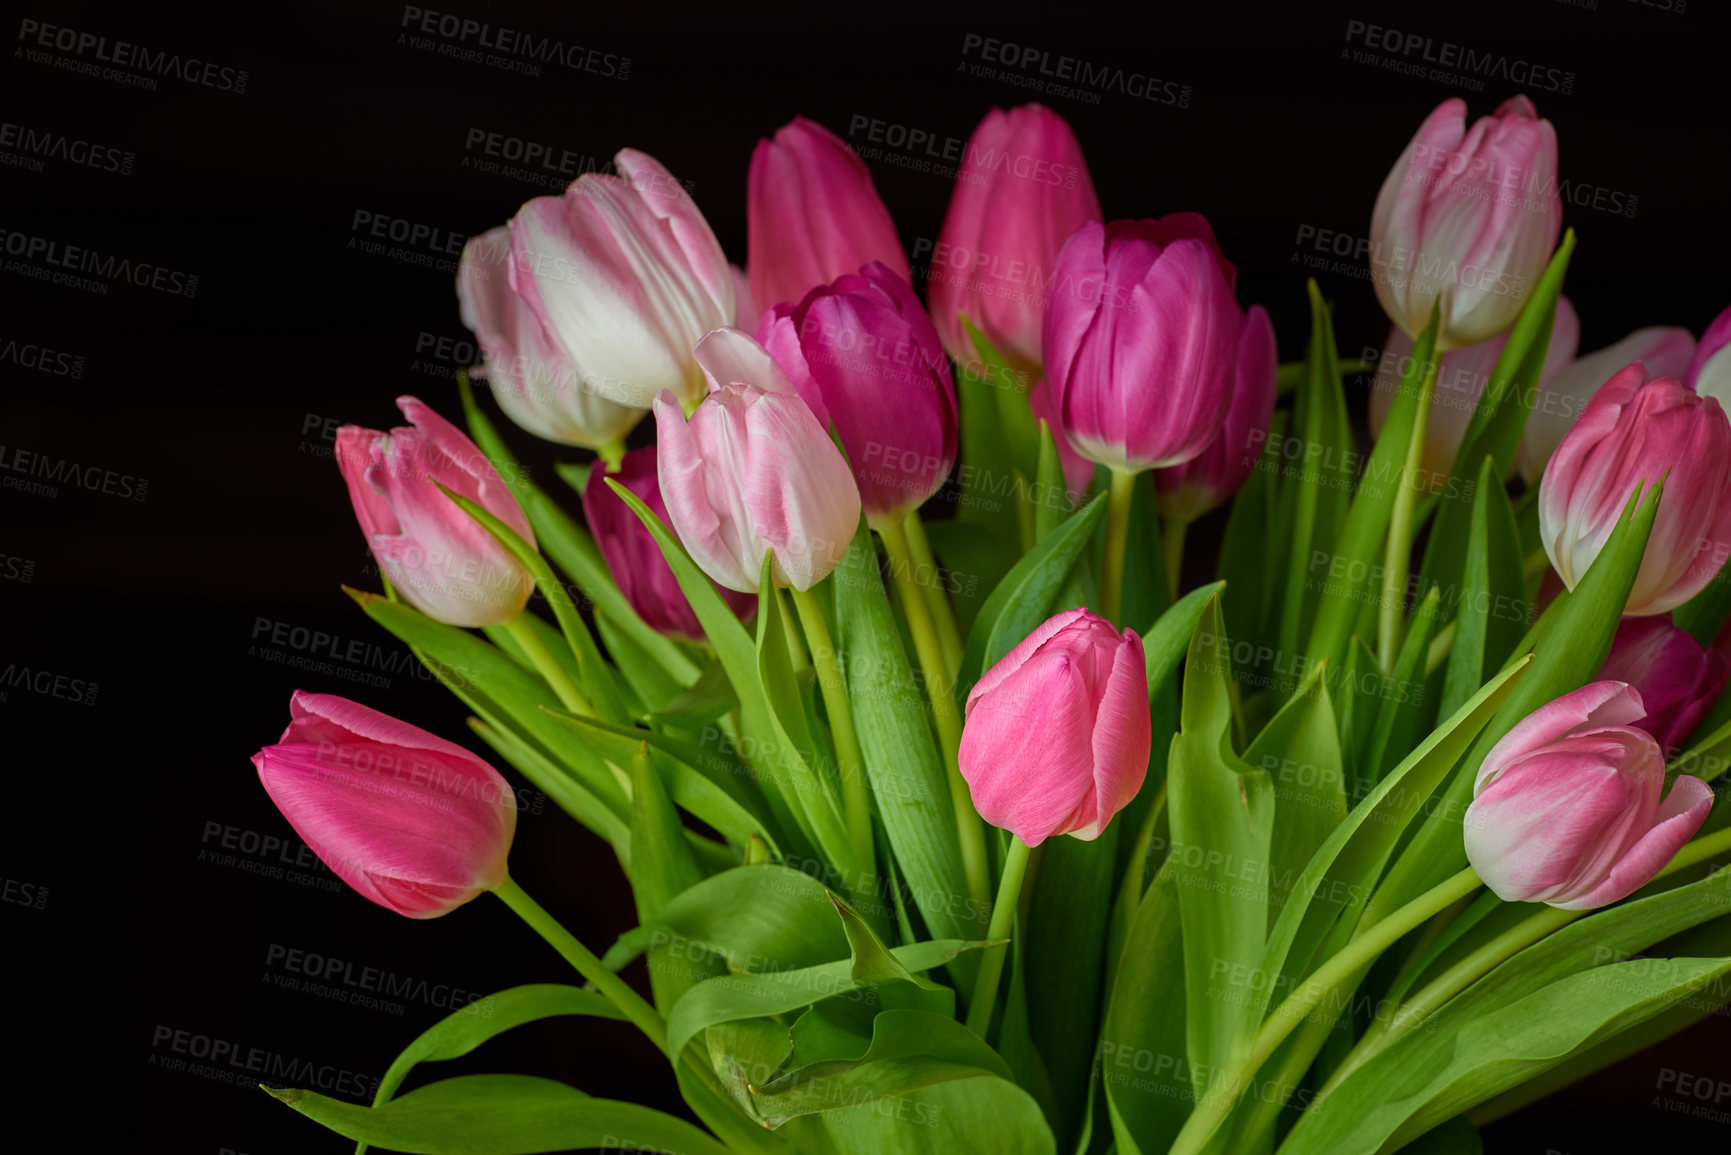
1602	703
1679	817
1123	735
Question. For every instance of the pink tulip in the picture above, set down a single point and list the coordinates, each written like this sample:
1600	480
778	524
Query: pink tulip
1566	809
1058	732
1679	680
625	276
535	382
1140	341
1468	216
415	823
865	357
1562	396
1709	369
812	215
1461	379
752	473
1636	430
1186	492
632	556
1078	470
438	557
1022	190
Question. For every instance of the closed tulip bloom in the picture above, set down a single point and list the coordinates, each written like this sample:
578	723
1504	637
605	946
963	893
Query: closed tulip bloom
1679	680
1637	431
1567	808
1058	732
752	473
1562	396
865	357
535	382
1140	341
633	557
1469	216
1461	379
1078	470
439	558
626	277
415	823
1709	369
1023	188
812	214
1186	492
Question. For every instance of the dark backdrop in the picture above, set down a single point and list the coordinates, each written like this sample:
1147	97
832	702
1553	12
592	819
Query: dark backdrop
171	588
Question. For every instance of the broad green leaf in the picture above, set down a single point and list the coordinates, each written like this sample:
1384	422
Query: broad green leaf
1143	1064
1493	606
1015	1041
1145	596
976	560
661	868
1051	494
550	637
1165	645
1245	544
1015	422
645	679
988	1114
604	819
757	918
500	1115
1704	615
1406	707
1299	750
703	703
988	469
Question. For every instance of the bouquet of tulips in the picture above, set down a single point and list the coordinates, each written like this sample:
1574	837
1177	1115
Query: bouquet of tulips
974	829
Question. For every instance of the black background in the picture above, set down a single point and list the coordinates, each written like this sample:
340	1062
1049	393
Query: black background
221	402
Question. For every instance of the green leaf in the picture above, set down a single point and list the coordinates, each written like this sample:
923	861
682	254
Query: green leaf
1142	1043
987	1114
755	917
988	468
1245	544
1299	750
1015	423
1493	606
500	1115
661	868
1024	598
703	703
645	679
1145	596
1166	643
1704	615
976	560
1051	495
602	818
1405	709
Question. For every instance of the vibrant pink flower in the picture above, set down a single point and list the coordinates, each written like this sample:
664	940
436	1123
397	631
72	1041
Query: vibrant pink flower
439	558
1709	370
1022	190
1078	470
1567	810
415	823
1679	680
812	215
1636	430
1186	492
1469	216
1058	732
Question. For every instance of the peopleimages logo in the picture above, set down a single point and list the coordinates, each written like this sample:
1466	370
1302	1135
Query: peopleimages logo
86	52
85	267
24	147
1419	50
479	42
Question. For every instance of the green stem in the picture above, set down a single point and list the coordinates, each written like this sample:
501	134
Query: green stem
943	614
570	696
850	763
611	453
1399	553
1219	1100
614	988
1172	540
1117	537
969	828
1003	918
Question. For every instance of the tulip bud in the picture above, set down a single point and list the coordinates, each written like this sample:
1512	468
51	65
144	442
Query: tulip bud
439	558
1562	396
1023	188
1140	340
1679	680
415	823
1468	216
1638	431
535	382
1709	371
626	277
633	557
812	214
1566	809
1078	470
1461	379
1058	732
753	473
1186	492
865	357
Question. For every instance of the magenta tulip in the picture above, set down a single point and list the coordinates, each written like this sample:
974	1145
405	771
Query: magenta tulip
1636	430
632	556
537	384
1078	470
1140	340
752	473
1562	396
1058	732
865	357
1186	492
1023	188
626	277
1461	379
1679	680
812	215
439	558
1567	810
415	823
1467	216
1709	369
